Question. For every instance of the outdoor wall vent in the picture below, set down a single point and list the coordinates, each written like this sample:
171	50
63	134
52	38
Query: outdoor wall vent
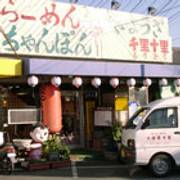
23	116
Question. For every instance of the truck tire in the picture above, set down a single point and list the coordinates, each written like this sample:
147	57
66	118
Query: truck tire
161	165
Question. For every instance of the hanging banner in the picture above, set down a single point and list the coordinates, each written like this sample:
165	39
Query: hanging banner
53	29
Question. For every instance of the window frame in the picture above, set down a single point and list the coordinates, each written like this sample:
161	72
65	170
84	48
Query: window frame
146	124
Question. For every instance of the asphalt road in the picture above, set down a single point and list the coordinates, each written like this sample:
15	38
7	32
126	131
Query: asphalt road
89	171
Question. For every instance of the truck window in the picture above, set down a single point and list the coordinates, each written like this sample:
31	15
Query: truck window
138	116
162	118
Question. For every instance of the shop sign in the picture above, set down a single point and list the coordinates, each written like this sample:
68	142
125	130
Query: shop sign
53	29
103	117
169	90
121	104
10	67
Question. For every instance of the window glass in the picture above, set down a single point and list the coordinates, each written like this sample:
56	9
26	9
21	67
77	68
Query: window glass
136	118
162	118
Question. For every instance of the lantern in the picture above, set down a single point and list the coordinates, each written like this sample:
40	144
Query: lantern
56	81
51	107
77	82
163	82
114	82
147	82
177	82
131	82
32	81
96	82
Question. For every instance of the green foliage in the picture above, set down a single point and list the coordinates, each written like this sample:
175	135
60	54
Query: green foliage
55	145
86	154
116	131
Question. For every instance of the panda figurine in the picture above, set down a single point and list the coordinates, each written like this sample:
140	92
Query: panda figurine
39	134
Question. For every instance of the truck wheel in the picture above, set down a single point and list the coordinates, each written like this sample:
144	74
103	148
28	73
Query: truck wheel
161	165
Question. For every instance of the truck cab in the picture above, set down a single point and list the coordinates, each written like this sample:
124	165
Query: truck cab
152	136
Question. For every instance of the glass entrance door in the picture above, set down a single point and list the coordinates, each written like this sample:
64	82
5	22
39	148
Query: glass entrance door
71	117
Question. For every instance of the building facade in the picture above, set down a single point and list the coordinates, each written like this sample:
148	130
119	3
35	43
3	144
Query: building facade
86	66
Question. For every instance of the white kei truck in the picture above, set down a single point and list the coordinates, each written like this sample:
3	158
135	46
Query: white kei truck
152	136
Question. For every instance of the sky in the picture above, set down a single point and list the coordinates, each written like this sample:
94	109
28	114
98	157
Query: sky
165	8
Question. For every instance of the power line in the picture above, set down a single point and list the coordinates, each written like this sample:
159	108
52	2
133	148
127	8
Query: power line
127	4
165	5
91	2
171	18
140	1
100	3
172	8
153	3
121	3
163	10
9	42
148	5
174	16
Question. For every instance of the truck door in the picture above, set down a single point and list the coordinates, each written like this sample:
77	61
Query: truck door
159	133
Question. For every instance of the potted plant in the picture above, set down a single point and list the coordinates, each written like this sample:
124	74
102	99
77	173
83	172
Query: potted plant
111	148
54	149
116	133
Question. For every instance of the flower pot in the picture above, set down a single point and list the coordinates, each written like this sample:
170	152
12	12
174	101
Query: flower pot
53	156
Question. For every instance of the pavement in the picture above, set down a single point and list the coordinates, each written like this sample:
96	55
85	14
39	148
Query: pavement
76	169
101	170
83	167
88	169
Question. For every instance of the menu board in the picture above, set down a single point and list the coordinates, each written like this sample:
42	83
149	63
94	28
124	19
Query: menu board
103	118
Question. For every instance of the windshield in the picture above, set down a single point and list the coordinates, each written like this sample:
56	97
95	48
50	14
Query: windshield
138	116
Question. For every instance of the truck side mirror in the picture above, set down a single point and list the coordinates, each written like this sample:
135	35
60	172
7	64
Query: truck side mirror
145	124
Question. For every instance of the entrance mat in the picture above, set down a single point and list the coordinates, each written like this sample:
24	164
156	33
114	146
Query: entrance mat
85	155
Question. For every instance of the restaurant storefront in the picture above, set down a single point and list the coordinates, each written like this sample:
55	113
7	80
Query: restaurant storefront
87	60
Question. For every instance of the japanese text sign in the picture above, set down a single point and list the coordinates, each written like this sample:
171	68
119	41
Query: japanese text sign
53	29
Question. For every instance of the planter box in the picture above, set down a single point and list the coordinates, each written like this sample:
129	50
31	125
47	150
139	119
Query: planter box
53	156
38	166
60	164
47	165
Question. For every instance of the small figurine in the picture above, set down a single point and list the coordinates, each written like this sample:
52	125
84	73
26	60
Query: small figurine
39	134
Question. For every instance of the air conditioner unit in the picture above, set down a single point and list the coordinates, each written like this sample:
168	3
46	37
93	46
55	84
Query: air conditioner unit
23	115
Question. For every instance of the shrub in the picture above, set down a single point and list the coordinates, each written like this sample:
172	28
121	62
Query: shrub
54	145
116	131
